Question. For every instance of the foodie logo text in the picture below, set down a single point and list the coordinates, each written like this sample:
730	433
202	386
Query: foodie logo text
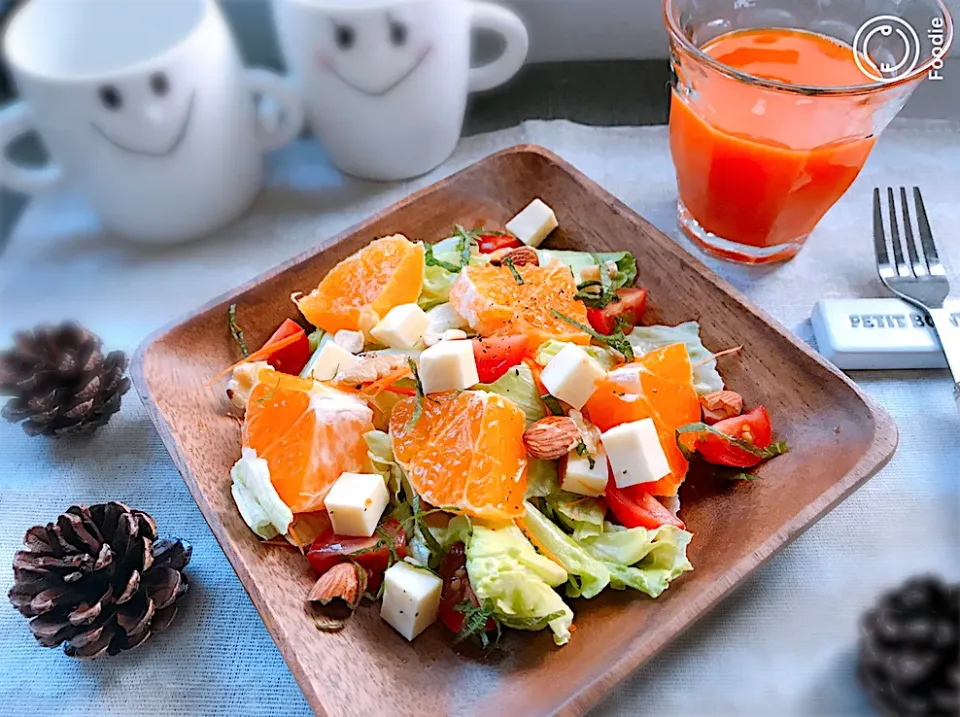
897	41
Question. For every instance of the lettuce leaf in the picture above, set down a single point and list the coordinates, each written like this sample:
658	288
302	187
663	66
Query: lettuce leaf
380	453
592	575
606	357
645	560
706	378
583	516
437	281
517	384
577	260
259	504
516	583
543	478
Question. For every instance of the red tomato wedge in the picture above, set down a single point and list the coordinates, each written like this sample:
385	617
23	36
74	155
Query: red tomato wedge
456	589
752	429
497	355
371	553
627	310
489	243
291	356
635	508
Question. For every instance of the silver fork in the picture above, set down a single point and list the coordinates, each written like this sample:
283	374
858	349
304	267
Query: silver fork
916	275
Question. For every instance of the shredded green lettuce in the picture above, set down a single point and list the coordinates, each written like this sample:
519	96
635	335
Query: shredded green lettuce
645	560
437	281
591	575
583	516
380	452
578	260
706	378
516	583
259	504
517	385
543	478
603	355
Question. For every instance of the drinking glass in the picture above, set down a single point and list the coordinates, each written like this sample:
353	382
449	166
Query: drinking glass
759	161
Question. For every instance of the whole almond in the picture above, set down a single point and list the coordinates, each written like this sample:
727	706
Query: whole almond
551	438
339	590
720	405
521	256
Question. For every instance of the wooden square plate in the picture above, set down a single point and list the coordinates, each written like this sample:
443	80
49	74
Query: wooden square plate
839	438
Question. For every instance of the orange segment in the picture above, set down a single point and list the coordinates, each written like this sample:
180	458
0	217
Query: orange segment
309	434
657	386
362	288
466	450
492	302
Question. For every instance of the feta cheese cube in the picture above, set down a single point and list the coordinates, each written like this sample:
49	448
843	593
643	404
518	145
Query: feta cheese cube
572	376
327	361
578	477
533	224
635	453
355	503
402	327
448	366
411	598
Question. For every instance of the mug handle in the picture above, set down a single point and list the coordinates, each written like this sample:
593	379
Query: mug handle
273	134
15	121
503	22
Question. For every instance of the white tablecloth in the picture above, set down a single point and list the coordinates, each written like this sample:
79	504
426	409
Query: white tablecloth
783	645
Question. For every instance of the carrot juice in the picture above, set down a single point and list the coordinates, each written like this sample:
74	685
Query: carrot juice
757	166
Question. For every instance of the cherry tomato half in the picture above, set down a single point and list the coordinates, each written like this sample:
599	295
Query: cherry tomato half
489	243
628	309
635	508
753	427
456	589
497	355
372	553
292	357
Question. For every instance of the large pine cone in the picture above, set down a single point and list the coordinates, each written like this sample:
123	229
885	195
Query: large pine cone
60	381
98	579
909	650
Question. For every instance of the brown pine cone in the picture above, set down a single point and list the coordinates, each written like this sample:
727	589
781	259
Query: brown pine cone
910	650
98	580
60	381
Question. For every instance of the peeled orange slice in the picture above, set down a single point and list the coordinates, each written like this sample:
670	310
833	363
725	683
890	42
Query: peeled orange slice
308	433
362	288
492	302
465	450
657	386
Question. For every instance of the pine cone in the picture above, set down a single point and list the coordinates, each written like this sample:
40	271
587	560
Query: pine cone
98	579
909	650
60	381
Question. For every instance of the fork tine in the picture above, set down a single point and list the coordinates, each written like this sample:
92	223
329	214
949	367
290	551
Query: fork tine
919	268
902	268
879	240
926	236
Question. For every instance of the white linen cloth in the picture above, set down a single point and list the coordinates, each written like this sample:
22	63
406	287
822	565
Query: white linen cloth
784	644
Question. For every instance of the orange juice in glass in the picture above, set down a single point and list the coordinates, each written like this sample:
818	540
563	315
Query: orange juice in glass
776	105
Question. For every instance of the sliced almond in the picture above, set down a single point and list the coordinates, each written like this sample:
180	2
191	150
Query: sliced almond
521	256
338	591
720	405
369	369
551	438
351	341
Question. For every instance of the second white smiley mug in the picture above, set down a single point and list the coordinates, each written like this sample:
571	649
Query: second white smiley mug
385	82
146	109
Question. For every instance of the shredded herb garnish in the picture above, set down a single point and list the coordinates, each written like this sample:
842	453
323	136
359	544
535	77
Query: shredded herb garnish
268	396
742	476
774	449
236	332
390	541
617	340
553	405
475	620
420	522
418	406
467	238
513	270
430	260
582	451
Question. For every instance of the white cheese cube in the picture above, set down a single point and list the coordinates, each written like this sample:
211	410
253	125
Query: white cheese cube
578	477
402	327
411	598
442	319
327	361
533	224
352	341
572	376
635	453
355	503
448	366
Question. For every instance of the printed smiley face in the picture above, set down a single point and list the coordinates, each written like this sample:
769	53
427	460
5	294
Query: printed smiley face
372	54
148	116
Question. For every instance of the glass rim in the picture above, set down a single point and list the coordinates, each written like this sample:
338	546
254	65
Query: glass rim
676	35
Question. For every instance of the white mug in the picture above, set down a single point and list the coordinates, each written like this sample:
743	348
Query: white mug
386	81
146	109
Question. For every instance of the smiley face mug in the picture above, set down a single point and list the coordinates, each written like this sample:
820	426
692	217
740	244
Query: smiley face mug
386	81
145	109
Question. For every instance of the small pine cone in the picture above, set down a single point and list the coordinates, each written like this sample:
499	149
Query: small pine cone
909	650
60	381
98	580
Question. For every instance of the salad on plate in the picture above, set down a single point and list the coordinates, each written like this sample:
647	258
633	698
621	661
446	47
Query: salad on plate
481	432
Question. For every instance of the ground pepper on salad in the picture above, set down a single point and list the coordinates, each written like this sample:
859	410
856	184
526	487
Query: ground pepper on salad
483	430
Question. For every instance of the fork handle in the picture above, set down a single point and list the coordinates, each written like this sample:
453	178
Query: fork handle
950	341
